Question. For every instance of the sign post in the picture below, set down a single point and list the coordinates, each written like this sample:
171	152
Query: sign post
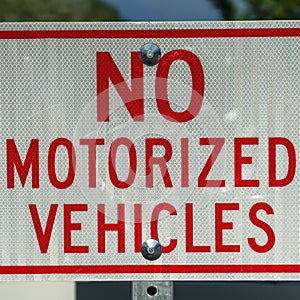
182	138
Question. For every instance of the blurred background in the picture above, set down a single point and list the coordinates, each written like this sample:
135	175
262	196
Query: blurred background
148	10
140	10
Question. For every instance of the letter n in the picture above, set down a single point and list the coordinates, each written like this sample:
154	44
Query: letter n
132	98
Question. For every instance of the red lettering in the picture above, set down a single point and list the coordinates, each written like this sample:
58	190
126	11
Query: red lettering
264	226
119	227
161	88
184	162
154	224
31	160
273	142
69	227
202	181
240	160
220	226
189	234
161	161
51	163
92	143
138	228
133	99
112	163
43	237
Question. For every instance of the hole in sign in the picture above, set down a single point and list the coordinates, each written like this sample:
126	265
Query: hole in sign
152	291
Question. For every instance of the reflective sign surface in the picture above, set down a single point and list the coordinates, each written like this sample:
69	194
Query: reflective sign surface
116	133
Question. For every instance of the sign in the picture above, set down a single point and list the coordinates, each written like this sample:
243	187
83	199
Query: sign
116	133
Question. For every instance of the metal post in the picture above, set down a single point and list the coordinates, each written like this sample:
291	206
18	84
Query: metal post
156	290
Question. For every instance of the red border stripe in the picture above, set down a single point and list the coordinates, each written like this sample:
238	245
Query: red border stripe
156	33
135	269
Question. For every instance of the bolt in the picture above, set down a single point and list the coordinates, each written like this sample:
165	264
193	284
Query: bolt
150	54
151	249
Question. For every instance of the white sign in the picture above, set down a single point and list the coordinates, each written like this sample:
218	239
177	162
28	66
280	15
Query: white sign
115	133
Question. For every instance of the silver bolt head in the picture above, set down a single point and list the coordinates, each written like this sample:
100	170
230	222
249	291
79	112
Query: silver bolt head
151	249
150	54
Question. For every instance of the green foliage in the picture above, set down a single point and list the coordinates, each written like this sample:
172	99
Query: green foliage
56	10
259	9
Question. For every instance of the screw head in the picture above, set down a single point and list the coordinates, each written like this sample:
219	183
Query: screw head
151	249
150	54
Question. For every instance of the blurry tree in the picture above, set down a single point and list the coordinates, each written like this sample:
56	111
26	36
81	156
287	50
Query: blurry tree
57	10
259	9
